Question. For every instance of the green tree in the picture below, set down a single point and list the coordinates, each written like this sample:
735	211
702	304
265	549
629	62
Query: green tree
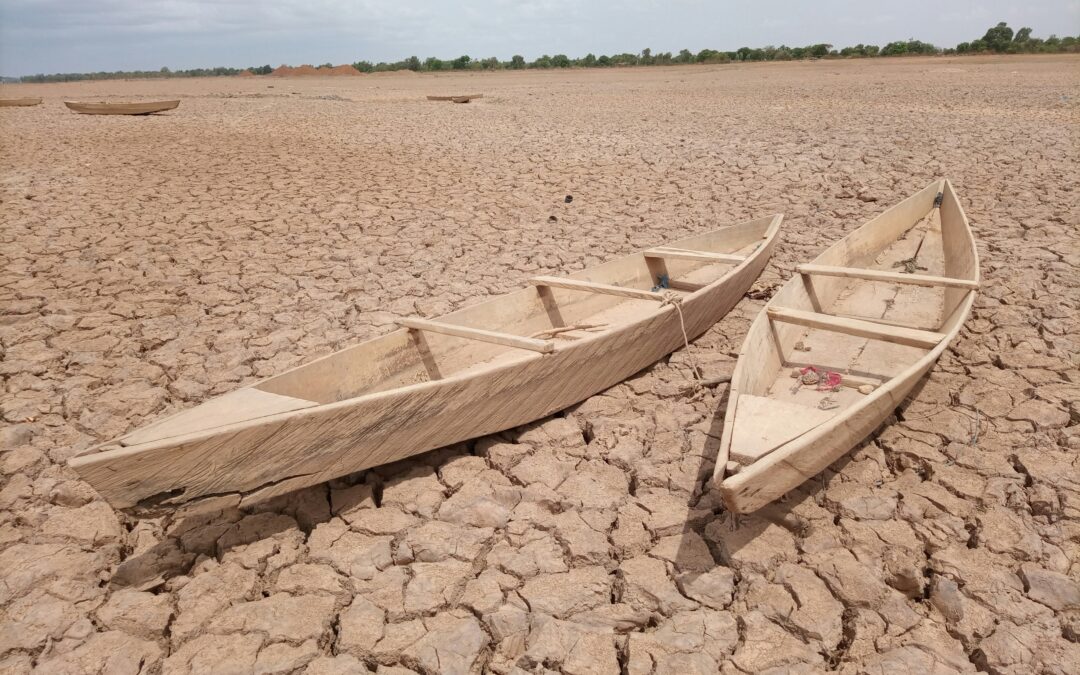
999	37
588	61
820	50
517	62
685	56
461	62
560	61
432	63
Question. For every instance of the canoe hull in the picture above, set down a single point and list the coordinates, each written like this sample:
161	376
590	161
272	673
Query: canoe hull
143	108
284	452
814	446
19	102
757	485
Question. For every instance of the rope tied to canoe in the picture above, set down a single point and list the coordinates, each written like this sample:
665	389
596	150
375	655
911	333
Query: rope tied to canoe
675	300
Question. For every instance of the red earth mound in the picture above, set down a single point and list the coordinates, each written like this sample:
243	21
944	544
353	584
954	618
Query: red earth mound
344	69
288	71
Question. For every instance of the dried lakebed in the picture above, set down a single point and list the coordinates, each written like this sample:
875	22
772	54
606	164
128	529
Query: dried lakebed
148	264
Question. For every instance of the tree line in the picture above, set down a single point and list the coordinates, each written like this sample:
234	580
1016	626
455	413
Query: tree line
999	39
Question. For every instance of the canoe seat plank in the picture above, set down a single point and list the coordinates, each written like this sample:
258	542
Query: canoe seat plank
867	329
688	286
881	275
505	339
237	406
763	424
883	322
593	287
686	254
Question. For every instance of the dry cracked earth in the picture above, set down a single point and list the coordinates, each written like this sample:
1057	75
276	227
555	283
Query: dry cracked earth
150	263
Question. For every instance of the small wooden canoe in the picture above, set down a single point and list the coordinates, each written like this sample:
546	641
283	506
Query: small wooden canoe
19	102
875	311
457	98
488	367
136	108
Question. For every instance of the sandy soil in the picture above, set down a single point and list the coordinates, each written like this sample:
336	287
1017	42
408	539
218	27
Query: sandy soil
150	263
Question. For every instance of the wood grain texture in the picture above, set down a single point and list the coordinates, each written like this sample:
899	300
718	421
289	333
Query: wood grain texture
271	455
857	327
913	225
683	254
593	287
891	277
136	108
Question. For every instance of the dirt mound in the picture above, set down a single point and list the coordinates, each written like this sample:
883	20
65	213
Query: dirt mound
288	71
245	73
344	69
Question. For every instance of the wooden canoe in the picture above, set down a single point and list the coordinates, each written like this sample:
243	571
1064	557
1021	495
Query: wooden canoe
136	108
19	102
457	98
476	371
878	308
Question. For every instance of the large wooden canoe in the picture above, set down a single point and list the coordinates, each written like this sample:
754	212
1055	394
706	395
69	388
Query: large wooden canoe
877	308
476	371
136	108
19	102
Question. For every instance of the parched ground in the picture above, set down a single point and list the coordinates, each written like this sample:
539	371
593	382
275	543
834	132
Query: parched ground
150	263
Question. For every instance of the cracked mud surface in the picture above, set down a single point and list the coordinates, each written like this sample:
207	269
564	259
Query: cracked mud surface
150	263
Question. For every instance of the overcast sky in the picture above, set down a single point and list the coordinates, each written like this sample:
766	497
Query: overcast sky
88	35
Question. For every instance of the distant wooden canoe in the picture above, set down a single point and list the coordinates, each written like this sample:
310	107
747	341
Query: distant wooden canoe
19	102
878	308
137	108
485	368
459	98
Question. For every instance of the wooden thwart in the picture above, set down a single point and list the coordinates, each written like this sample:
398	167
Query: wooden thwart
884	322
876	331
505	339
880	275
685	254
593	287
688	286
